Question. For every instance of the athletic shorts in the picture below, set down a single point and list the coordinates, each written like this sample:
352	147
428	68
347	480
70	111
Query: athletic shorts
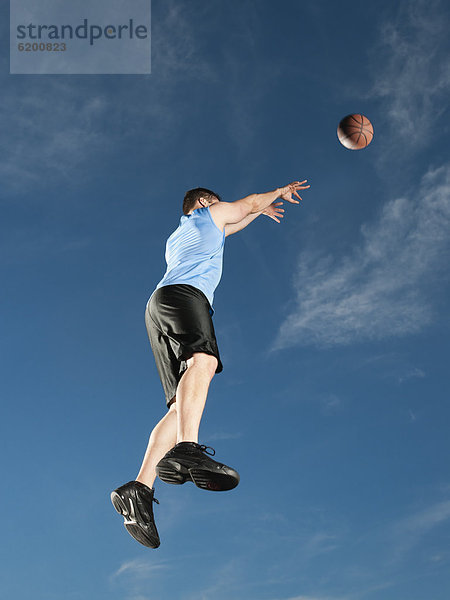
178	324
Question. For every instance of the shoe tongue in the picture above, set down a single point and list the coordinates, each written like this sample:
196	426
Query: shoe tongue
187	445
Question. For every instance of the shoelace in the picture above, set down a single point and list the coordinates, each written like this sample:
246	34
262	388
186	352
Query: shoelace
205	448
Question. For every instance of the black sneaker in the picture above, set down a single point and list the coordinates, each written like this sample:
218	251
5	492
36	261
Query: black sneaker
188	461
134	501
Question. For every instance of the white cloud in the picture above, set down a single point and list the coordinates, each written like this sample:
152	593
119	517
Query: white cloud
320	543
327	597
330	404
51	126
412	374
413	82
225	581
46	133
176	44
139	568
136	576
410	531
412	416
385	286
314	598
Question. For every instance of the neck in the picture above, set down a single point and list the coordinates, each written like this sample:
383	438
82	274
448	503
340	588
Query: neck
197	207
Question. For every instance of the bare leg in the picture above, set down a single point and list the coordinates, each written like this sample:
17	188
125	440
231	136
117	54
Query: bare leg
192	391
162	439
181	423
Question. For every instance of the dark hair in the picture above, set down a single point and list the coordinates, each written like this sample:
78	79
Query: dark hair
191	197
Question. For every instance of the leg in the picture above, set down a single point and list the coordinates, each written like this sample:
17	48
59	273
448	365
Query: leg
191	395
188	460
184	414
162	439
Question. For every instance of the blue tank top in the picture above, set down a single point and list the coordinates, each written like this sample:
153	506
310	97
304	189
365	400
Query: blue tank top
194	253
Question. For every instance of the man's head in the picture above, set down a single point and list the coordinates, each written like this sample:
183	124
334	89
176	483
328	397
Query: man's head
198	197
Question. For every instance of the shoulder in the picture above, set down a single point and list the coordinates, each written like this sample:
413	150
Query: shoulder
224	213
216	212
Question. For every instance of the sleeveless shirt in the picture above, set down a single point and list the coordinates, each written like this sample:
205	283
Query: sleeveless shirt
194	253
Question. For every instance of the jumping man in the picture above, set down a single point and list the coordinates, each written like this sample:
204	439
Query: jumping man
180	329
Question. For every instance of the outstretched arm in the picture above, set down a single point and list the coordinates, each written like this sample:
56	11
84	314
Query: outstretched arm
273	211
226	213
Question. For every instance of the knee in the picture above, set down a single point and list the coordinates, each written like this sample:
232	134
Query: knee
205	361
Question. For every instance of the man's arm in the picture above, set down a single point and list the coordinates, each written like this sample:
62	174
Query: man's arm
225	213
235	227
274	211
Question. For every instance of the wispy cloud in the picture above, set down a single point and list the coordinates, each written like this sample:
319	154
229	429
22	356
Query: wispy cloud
410	531
413	82
361	593
412	374
222	582
139	568
177	51
44	137
315	598
53	126
412	416
384	287
320	543
257	565
394	543
136	576
330	404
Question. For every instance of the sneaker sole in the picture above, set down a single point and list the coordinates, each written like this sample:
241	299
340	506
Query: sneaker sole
176	474
133	528
172	472
213	482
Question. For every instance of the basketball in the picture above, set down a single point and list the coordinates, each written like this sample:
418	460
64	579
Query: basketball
355	132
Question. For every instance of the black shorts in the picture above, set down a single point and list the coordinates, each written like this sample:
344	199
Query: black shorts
178	324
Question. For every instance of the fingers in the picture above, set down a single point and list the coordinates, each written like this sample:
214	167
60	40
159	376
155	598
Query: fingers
291	190
298	185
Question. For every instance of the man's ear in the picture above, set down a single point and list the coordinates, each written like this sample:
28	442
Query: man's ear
203	202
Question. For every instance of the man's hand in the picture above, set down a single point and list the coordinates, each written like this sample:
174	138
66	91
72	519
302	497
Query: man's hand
285	193
274	212
231	213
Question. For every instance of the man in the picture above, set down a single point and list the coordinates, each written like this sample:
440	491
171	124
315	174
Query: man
181	332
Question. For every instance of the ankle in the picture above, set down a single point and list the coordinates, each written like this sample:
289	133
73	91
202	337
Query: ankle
187	440
148	483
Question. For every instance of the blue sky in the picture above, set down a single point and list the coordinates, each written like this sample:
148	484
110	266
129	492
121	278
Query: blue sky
333	326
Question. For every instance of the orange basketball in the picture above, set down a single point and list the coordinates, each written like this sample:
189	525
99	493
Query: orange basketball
355	132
